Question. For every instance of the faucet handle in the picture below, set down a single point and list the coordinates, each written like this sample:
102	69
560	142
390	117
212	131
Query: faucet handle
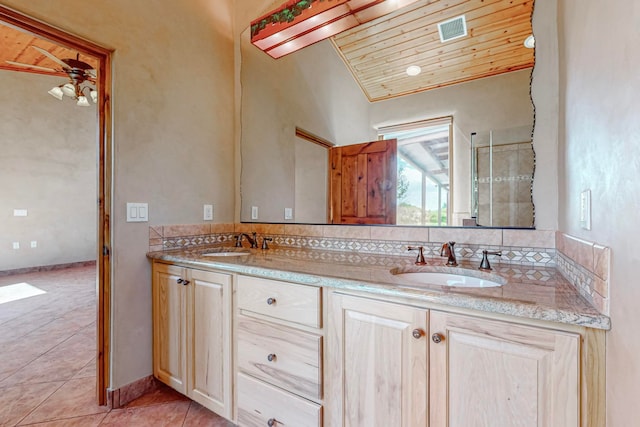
264	242
484	264
420	258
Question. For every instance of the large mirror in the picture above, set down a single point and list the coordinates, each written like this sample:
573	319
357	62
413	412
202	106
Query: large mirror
295	108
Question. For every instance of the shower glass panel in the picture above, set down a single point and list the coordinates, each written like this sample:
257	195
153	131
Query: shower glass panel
501	176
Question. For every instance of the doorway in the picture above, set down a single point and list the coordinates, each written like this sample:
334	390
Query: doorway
51	34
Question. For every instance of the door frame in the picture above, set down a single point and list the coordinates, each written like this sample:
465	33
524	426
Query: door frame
104	141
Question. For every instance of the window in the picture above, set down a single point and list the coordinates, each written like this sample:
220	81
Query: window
424	170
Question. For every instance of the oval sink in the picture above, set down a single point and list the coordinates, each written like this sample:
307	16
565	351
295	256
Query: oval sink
227	253
447	279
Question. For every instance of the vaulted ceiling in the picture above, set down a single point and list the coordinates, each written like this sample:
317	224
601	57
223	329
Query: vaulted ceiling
379	52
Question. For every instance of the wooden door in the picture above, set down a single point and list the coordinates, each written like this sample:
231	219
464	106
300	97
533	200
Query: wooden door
377	367
490	373
210	340
169	326
364	183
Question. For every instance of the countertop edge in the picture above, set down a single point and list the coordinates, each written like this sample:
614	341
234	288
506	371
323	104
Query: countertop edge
458	300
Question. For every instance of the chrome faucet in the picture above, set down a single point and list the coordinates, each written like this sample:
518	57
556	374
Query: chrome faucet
253	241
448	251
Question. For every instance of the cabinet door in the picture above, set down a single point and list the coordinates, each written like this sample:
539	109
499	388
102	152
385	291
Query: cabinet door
169	326
210	341
490	373
377	367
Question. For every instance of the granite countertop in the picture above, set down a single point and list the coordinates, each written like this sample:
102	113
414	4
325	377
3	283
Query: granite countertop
529	292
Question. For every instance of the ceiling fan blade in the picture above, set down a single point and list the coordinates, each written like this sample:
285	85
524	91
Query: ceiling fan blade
92	72
34	67
52	57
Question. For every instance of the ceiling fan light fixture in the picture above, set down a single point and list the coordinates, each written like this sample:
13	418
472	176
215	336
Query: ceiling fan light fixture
413	70
530	42
69	90
94	95
83	101
56	92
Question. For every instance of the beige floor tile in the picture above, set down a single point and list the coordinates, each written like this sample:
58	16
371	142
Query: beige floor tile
163	394
163	415
88	421
74	399
17	402
199	416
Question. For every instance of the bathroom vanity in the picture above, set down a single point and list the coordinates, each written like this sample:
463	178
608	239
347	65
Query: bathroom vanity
293	337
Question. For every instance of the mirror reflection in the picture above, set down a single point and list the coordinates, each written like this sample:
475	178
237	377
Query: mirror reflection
296	108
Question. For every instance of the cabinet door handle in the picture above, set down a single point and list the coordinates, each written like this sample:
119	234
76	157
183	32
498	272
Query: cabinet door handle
271	357
185	282
271	301
271	422
437	338
179	281
417	333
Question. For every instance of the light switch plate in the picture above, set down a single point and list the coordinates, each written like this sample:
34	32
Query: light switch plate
137	212
208	213
288	213
585	209
16	245
20	212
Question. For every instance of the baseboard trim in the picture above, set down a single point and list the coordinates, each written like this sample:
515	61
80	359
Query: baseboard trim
117	398
52	267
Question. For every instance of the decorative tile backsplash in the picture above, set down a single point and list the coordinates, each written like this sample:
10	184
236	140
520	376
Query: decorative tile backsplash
585	265
369	240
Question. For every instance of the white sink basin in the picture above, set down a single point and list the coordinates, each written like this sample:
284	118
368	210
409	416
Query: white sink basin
227	253
447	279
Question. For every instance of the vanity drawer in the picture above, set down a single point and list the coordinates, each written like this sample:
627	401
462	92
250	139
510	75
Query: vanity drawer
259	402
282	356
285	301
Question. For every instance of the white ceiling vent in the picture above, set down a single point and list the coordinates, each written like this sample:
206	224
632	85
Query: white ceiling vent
452	28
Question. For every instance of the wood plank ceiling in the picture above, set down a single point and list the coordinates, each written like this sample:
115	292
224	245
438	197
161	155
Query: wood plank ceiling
379	52
16	46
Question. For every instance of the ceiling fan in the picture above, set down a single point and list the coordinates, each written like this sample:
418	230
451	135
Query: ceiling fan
79	73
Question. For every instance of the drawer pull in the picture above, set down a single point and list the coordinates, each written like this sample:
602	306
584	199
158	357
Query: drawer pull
271	422
271	357
271	301
437	338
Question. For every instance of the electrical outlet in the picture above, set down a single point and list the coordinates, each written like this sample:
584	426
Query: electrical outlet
288	213
254	212
34	243
208	212
16	245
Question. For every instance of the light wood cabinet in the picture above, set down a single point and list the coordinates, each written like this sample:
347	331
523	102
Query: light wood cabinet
490	373
192	334
170	326
279	355
377	363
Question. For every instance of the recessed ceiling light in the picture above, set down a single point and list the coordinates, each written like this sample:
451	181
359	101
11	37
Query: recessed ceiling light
530	42
413	70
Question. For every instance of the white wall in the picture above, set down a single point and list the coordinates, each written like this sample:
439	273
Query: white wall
600	151
47	166
173	131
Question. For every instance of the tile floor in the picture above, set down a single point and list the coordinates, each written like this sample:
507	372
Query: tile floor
47	362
